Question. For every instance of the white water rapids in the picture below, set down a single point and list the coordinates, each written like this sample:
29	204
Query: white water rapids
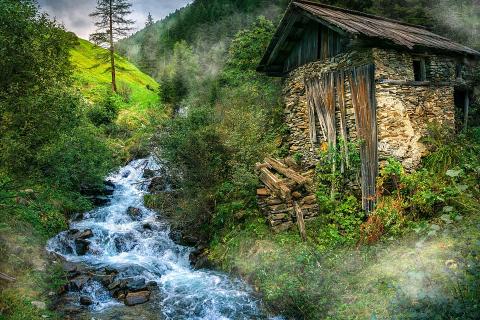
140	247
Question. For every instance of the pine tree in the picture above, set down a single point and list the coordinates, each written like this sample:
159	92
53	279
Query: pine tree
149	47
112	24
150	21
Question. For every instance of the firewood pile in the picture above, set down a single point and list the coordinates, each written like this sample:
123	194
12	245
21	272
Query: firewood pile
286	197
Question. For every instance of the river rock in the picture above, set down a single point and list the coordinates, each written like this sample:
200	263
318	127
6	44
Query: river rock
148	173
86	301
134	284
134	298
199	259
133	212
125	243
158	184
85	234
77	283
99	200
81	246
110	271
109	188
39	305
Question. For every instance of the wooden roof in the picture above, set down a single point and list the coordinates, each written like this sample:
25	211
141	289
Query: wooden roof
364	25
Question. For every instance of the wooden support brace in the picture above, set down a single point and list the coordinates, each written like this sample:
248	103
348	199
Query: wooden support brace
300	221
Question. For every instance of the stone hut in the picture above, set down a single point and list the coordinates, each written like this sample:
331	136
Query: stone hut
354	76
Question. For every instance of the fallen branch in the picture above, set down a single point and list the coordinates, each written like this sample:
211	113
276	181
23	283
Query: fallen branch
6	277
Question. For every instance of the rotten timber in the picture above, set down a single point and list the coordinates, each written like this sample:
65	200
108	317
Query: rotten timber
273	183
286	171
300	221
363	99
285	193
6	277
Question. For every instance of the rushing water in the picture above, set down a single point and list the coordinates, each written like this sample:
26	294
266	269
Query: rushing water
127	245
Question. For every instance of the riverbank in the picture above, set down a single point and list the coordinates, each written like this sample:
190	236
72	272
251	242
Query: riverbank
418	276
120	255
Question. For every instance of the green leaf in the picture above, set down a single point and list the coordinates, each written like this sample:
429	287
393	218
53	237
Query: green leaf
453	173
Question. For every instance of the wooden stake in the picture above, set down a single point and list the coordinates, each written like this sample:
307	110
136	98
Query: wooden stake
300	221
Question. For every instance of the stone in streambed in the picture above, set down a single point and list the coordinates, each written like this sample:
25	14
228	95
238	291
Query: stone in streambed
81	246
85	301
133	212
134	284
85	234
134	298
78	283
149	173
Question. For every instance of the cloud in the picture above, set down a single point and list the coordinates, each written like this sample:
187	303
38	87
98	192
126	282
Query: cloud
74	13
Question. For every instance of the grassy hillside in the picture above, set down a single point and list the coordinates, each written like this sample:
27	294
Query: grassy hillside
93	78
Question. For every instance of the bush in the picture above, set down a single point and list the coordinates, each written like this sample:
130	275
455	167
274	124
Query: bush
104	112
78	158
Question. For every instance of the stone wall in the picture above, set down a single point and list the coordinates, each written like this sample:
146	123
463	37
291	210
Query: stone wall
404	111
296	108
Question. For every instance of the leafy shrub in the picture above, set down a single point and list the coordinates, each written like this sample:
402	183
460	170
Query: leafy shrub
105	111
79	158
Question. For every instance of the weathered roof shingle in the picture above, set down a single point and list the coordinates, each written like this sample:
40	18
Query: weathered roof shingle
377	27
365	26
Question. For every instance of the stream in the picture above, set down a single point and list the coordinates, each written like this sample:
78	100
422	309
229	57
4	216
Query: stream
123	248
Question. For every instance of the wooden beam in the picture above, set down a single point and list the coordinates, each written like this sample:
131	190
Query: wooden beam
286	171
300	221
6	277
415	83
326	24
274	184
282	38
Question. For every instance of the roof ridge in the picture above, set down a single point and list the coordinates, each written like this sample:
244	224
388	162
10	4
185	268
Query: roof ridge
360	13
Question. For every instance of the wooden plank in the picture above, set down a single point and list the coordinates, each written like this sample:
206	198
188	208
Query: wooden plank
415	83
274	184
300	221
6	277
259	166
286	171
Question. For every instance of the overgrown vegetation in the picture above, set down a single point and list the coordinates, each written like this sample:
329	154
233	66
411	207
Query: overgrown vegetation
230	119
55	142
414	258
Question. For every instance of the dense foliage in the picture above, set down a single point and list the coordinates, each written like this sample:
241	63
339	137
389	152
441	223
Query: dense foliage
207	143
239	113
39	114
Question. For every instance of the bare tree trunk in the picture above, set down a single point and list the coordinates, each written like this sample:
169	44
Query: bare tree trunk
112	50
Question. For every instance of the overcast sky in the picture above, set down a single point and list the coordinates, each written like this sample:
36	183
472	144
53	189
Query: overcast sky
74	13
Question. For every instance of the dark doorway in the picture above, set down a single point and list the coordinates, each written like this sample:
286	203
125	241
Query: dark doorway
462	105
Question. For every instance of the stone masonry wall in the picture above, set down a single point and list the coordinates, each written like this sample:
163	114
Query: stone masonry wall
296	107
404	111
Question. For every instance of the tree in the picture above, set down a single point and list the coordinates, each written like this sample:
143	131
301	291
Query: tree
111	24
150	21
149	48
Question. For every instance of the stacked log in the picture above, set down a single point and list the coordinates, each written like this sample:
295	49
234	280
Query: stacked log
286	197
